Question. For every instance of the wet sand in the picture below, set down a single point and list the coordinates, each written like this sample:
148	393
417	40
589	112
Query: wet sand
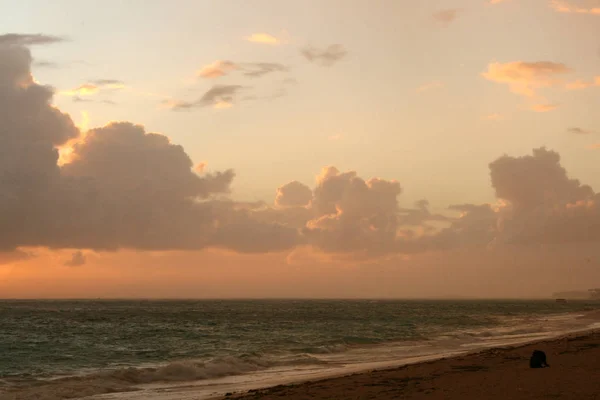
501	373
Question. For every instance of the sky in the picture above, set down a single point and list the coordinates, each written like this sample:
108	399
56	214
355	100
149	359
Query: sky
440	148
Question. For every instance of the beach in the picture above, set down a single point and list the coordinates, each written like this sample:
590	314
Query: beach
499	373
341	350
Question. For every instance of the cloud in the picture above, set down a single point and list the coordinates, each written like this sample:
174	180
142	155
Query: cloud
123	187
447	16
12	257
253	70
419	215
544	205
524	78
15	39
86	89
293	194
580	84
497	1
579	131
45	64
263	38
353	215
567	7
126	188
324	57
78	99
350	215
111	83
430	86
493	117
219	96
544	107
77	259
535	180
217	69
200	167
594	146
94	87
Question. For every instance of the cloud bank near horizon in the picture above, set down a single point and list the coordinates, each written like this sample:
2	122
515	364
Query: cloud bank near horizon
125	188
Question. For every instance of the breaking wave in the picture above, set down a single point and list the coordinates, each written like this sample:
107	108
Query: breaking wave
126	379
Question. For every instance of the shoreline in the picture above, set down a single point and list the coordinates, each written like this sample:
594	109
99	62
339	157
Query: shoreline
381	383
263	385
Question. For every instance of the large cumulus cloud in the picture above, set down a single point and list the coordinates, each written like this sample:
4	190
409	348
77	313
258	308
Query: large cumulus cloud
538	203
543	205
123	187
30	130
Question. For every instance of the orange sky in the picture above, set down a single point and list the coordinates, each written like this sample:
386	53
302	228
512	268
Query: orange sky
300	149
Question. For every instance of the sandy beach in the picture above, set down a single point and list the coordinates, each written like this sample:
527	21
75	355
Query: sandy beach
500	373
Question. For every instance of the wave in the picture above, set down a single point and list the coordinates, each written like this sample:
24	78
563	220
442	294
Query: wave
126	379
326	355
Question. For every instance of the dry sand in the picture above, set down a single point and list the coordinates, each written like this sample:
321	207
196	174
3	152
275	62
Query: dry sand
501	373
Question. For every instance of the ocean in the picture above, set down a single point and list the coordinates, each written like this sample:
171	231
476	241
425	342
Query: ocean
197	348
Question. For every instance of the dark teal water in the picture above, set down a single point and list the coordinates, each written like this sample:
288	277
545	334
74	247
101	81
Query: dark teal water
48	338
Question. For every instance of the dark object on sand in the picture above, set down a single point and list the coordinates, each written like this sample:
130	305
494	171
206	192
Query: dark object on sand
538	360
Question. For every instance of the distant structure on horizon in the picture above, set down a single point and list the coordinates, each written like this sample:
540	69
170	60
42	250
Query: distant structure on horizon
593	294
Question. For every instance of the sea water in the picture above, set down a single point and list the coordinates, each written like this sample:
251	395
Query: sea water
55	349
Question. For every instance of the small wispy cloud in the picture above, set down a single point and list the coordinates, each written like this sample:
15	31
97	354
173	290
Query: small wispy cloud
221	68
544	107
217	69
87	89
336	137
325	57
595	146
581	84
45	64
93	87
430	86
568	8
579	131
78	99
109	83
524	78
17	39
219	97
497	1
493	117
256	70
447	16
263	38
